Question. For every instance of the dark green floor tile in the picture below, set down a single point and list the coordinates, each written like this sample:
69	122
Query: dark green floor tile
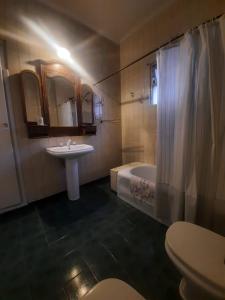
11	256
80	285
14	278
65	245
58	249
72	265
54	234
119	248
32	246
46	282
16	294
43	263
45	293
100	261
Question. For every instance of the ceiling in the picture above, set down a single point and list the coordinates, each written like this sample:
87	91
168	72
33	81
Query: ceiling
114	19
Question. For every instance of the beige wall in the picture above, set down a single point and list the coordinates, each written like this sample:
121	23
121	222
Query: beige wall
44	175
139	119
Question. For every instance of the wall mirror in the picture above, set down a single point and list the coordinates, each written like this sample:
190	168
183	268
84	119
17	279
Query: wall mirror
87	106
62	102
55	101
32	97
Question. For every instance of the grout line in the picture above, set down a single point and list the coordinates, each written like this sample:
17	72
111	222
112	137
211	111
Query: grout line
109	252
89	268
42	225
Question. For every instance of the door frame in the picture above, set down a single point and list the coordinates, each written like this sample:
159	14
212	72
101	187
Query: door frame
12	127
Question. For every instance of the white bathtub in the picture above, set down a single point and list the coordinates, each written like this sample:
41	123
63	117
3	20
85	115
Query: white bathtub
145	171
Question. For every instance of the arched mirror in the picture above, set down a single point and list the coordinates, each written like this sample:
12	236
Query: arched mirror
32	97
62	106
62	102
87	107
55	102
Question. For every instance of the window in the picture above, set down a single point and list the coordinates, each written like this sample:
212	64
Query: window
154	84
98	107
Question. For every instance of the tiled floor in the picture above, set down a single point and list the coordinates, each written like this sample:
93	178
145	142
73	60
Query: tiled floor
58	249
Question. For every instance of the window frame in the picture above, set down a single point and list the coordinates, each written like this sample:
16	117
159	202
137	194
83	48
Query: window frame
151	66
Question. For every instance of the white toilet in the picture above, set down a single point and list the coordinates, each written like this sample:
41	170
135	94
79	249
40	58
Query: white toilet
199	254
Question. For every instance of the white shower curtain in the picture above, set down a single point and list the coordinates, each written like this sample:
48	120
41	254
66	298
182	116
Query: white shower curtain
191	129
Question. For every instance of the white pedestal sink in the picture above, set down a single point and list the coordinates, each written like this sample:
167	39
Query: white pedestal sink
71	154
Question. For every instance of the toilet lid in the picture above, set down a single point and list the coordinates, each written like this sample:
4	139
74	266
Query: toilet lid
111	289
200	250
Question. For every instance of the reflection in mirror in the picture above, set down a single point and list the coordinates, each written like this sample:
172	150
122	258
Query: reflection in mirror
87	104
32	97
61	102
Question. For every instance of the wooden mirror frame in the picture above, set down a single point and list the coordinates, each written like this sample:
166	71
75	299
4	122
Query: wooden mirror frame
52	69
23	94
33	129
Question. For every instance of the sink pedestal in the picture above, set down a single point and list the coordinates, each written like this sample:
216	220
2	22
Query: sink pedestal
71	153
72	179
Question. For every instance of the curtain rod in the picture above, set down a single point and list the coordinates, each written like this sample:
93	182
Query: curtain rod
155	50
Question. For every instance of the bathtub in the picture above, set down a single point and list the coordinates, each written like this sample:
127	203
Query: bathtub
124	181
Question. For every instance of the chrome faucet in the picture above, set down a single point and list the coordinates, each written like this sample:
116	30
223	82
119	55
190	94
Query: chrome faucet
68	143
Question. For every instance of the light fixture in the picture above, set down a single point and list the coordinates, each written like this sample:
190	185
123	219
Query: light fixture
63	53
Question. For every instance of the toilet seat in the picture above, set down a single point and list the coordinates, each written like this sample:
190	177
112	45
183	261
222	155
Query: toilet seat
200	255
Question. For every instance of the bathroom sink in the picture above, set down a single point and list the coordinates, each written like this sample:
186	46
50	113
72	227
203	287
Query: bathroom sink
71	153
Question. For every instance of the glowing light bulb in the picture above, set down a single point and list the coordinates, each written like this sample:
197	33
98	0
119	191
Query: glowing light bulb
63	53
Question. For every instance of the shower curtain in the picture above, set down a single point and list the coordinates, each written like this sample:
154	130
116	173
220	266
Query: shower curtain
191	129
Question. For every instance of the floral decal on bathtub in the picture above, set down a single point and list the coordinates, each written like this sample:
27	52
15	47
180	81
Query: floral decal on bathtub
142	189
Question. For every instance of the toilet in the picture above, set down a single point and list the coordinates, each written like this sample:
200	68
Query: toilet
199	254
112	289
